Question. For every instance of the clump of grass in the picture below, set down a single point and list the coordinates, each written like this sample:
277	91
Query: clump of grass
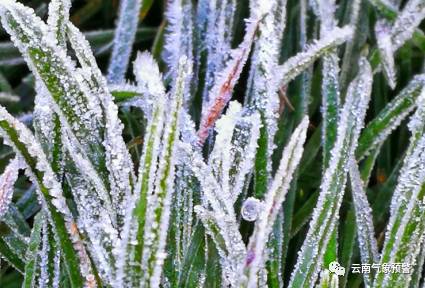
169	179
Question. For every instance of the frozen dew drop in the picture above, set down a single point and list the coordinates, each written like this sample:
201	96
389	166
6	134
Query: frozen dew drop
250	209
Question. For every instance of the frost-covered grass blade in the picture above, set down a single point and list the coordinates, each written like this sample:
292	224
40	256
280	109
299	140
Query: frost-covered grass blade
326	212
32	257
123	40
256	254
50	191
364	219
405	229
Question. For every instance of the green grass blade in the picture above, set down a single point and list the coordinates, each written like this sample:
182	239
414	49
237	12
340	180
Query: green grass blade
16	221
71	96
220	221
143	189
7	183
274	198
194	261
404	28
262	88
275	246
405	228
45	59
351	49
14	232
330	82
330	106
328	280
32	253
118	161
303	214
50	258
122	94
183	226
389	118
134	229
386	52
371	138
326	212
159	202
58	19
51	196
417	273
234	150
365	231
348	243
298	63
11	257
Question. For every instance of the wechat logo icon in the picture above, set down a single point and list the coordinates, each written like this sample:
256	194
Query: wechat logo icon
335	267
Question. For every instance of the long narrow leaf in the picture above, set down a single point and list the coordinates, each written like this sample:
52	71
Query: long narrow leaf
51	196
219	222
7	183
123	40
32	253
389	117
405	229
178	37
157	222
215	22
298	63
262	88
133	241
273	200
330	103
365	231
326	212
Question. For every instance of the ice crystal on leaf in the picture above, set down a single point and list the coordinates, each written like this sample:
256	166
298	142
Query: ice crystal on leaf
325	214
296	64
291	156
407	21
7	183
234	149
383	37
149	86
58	20
147	74
142	252
123	40
49	190
216	24
330	82
405	229
156	231
179	34
262	90
365	231
390	117
220	222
